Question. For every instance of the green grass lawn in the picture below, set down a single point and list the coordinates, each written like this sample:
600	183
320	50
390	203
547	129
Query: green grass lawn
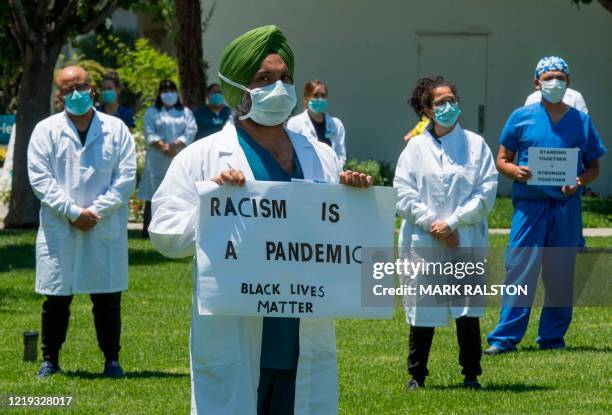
371	354
595	212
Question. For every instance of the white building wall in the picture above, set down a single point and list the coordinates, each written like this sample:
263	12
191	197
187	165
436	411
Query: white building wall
367	53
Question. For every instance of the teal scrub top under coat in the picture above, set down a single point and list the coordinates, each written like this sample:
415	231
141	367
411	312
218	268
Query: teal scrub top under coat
280	344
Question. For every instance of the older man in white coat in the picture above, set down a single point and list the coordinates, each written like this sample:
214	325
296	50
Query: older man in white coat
82	167
248	365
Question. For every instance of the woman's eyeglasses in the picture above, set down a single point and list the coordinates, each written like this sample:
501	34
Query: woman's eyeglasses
446	100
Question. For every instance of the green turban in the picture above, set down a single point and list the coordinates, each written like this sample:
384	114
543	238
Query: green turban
242	58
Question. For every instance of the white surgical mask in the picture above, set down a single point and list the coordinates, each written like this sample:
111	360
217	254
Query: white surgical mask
553	90
169	98
271	104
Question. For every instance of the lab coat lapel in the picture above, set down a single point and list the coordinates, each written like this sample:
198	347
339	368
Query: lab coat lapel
230	154
330	127
309	125
433	145
69	130
95	130
305	153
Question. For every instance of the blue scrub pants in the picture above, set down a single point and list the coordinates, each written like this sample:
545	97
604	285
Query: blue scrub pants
537	224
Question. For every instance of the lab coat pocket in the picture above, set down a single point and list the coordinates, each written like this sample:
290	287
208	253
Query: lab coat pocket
108	228
215	340
48	267
53	226
105	157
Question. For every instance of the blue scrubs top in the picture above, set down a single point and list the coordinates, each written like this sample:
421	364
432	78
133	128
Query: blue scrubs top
280	344
209	122
124	113
531	126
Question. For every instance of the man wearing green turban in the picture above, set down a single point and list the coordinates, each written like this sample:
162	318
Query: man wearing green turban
251	365
244	56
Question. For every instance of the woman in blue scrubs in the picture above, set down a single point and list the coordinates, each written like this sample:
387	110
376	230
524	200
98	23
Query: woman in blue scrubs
545	216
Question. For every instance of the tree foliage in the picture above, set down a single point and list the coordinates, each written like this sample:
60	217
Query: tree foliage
10	65
143	67
39	29
381	171
606	4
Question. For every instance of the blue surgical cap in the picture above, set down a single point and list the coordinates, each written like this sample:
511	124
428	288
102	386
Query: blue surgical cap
551	63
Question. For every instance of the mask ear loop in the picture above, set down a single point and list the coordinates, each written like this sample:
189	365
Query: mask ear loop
242	87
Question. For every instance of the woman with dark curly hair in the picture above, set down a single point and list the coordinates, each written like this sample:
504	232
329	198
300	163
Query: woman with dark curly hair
446	181
416	104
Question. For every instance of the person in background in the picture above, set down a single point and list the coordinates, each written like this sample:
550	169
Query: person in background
109	97
168	127
252	365
211	116
446	181
82	245
316	123
544	216
415	102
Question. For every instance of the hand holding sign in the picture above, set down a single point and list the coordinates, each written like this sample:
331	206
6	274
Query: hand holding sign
522	174
355	179
570	190
231	177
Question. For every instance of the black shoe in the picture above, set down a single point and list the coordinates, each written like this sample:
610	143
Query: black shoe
47	369
494	351
472	384
414	384
113	370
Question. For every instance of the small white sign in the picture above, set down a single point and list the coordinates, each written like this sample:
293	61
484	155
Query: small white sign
552	166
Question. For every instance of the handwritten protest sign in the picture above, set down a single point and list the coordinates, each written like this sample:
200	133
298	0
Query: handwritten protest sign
281	249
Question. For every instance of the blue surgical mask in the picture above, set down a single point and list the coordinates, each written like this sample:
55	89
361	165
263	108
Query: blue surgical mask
553	90
169	98
78	103
271	104
447	115
317	105
109	96
216	99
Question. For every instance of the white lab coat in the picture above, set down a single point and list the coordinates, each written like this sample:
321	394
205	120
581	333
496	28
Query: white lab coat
454	181
68	177
572	98
334	130
225	351
167	126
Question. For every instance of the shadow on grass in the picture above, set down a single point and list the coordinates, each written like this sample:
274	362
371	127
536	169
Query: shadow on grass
23	256
535	349
148	257
498	387
144	374
9	295
17	256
